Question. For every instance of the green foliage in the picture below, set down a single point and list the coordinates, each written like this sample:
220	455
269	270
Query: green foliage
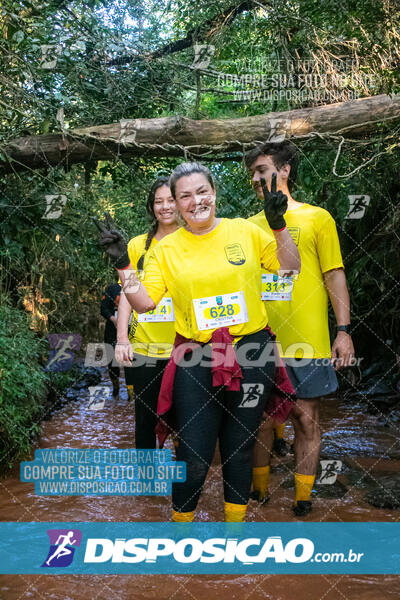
28	394
22	384
106	71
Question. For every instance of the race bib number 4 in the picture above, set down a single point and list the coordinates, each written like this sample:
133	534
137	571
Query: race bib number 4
220	311
274	287
163	312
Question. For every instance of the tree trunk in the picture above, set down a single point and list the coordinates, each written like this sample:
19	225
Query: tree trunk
177	136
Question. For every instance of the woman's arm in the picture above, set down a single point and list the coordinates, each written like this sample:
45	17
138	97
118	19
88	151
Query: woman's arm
115	246
135	292
123	350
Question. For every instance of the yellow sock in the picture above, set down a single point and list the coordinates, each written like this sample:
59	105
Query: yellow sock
235	512
280	430
182	517
261	480
303	485
130	392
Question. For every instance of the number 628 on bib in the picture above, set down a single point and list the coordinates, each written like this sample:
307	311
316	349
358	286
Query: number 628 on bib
220	311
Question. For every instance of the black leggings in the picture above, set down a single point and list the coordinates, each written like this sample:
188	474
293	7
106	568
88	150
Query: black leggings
206	414
146	380
110	337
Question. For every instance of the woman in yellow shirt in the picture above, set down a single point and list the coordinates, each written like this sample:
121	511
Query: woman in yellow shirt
212	270
151	335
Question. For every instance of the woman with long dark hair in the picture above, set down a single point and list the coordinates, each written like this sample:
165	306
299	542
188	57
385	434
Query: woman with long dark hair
151	335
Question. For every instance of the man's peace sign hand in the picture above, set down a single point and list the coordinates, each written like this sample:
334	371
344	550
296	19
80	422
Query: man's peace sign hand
112	241
275	204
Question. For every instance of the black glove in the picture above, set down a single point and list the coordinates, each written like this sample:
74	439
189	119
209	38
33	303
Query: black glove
275	204
112	242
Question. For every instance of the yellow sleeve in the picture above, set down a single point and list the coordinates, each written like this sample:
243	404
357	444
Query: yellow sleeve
132	253
153	280
328	246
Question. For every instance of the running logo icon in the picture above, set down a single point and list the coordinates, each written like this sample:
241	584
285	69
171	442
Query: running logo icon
62	351
202	55
61	551
330	469
358	206
252	393
98	395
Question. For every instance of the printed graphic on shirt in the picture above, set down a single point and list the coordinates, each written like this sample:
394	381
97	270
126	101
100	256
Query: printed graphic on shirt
252	392
234	254
295	233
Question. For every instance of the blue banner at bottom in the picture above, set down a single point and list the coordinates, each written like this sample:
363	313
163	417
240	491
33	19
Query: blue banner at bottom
199	548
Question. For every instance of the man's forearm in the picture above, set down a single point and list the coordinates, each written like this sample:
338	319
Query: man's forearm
336	285
287	251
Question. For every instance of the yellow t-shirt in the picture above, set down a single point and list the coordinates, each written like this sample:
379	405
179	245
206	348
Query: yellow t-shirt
226	260
152	338
303	321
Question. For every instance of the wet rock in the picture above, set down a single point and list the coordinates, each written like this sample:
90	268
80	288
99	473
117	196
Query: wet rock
81	378
285	465
360	480
389	419
375	368
376	391
334	490
386	493
86	376
372	388
288	482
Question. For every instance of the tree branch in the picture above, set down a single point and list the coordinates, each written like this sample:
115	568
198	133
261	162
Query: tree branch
179	136
202	33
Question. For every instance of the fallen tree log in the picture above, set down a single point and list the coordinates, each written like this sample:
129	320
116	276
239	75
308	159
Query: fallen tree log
180	136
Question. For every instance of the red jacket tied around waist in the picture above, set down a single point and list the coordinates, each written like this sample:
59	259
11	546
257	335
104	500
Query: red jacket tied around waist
228	374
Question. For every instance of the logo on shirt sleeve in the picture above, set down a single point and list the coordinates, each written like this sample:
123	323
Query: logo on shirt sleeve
234	254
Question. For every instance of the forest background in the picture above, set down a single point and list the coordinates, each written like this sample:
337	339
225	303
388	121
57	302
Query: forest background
67	64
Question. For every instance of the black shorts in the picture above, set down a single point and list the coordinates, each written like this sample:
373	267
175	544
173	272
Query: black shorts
313	380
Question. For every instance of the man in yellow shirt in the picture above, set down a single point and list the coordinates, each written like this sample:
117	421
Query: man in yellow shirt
298	314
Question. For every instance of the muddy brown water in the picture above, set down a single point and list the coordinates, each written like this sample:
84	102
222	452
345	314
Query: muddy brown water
346	431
